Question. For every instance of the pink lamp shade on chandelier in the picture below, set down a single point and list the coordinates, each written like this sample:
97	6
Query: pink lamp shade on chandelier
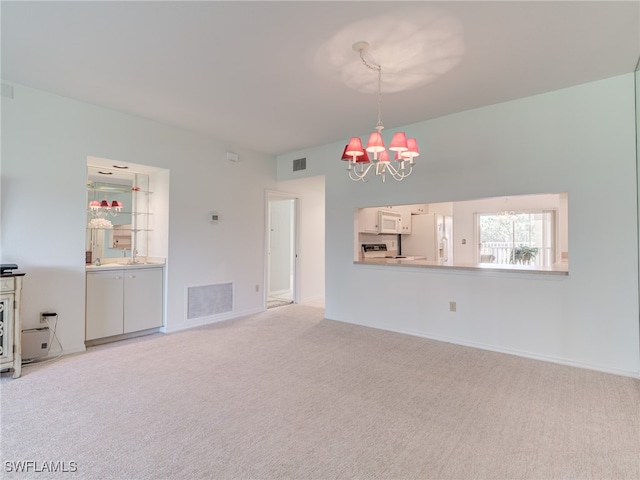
354	150
116	204
383	157
412	150
94	204
399	142
375	143
105	204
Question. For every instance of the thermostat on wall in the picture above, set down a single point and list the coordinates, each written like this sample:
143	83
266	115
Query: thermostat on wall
214	217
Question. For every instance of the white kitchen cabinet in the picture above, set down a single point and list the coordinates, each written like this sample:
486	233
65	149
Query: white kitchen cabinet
123	301
405	219
368	220
420	208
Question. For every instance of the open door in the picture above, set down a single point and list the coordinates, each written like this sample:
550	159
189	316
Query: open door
282	239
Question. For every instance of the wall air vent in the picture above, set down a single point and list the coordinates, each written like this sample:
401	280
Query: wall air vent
299	164
209	300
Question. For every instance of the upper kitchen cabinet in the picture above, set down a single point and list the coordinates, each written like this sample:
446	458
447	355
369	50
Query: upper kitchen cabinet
379	221
406	211
368	220
419	208
405	217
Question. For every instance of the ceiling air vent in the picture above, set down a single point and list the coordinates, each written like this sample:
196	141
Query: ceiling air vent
299	164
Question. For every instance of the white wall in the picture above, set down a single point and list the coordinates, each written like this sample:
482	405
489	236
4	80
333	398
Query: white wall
579	140
45	143
311	248
445	208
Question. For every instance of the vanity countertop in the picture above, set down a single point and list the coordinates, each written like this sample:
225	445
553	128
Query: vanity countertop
121	266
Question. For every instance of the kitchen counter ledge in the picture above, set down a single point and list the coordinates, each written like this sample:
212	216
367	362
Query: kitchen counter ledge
558	269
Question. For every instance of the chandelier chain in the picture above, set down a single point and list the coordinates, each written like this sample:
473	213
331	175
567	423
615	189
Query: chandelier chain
376	68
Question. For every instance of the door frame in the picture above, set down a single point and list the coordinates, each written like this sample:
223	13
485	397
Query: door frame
270	196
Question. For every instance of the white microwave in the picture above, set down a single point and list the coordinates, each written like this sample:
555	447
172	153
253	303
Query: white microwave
389	222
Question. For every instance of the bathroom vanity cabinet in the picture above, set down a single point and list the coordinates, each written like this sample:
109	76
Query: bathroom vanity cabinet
123	300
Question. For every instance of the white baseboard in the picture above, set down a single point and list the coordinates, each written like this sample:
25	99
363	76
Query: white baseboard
278	293
509	351
209	320
78	349
524	354
53	356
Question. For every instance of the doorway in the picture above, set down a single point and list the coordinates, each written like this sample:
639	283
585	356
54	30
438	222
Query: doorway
282	239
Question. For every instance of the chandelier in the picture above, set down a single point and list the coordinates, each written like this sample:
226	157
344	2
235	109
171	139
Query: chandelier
506	214
100	209
404	149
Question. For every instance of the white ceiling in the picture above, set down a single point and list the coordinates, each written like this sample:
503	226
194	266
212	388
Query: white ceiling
276	77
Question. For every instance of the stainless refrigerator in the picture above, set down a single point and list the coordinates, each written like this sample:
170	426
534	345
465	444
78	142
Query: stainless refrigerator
431	237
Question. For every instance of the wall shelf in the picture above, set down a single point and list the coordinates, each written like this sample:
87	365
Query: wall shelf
122	229
131	227
106	189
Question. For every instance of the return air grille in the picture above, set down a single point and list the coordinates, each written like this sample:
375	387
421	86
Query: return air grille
209	300
299	164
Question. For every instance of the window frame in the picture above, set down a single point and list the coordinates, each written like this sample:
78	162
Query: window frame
555	250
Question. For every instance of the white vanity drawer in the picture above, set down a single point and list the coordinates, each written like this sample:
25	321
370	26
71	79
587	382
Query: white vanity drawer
7	284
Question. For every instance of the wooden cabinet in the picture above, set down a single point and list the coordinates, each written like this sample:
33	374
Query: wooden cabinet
405	219
419	208
11	323
368	217
405	216
123	301
368	220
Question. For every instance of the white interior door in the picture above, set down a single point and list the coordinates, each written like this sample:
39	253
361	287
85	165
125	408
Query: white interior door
281	246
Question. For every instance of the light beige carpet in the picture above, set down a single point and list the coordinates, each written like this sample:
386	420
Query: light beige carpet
285	394
273	302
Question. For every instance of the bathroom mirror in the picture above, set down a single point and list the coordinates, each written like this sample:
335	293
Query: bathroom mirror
117	208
